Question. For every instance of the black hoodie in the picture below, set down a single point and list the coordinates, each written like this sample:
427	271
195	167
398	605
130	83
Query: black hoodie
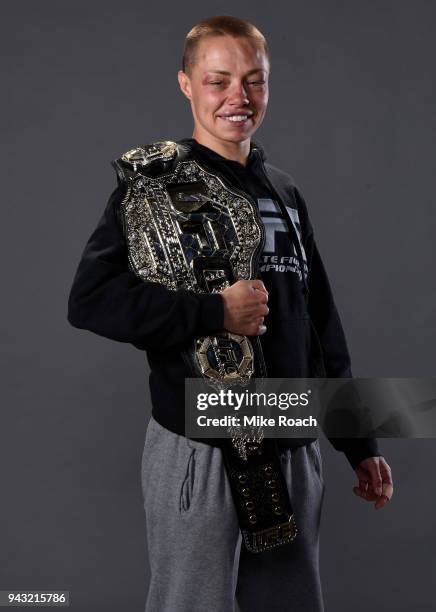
303	325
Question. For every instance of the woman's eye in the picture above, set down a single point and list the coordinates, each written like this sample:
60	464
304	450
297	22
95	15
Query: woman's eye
249	82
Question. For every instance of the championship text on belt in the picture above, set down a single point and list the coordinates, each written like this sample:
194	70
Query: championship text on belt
187	229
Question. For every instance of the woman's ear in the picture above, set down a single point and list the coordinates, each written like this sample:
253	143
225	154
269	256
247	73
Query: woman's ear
185	83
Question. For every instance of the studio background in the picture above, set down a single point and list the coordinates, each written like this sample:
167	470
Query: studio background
351	117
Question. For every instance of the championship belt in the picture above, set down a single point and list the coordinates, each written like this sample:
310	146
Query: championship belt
186	229
260	493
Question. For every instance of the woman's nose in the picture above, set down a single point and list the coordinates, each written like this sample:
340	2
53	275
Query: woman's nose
239	95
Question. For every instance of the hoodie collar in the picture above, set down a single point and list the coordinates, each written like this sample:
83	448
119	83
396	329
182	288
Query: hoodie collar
208	154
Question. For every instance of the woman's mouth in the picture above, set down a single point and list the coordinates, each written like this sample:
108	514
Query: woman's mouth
236	119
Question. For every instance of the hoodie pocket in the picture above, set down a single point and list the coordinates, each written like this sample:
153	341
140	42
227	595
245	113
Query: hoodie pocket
187	489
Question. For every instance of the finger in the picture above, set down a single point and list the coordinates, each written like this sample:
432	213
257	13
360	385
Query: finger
261	309
362	477
257	326
376	479
363	485
386	474
387	490
258	284
381	502
366	495
263	297
265	310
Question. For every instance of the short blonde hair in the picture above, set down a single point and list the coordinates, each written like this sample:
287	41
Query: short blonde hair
220	25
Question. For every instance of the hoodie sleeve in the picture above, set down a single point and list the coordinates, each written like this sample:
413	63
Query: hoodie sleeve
109	299
328	327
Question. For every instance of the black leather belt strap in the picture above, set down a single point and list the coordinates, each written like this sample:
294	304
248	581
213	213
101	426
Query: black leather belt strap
261	495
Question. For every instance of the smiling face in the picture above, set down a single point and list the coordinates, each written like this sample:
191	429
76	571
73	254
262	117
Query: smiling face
228	91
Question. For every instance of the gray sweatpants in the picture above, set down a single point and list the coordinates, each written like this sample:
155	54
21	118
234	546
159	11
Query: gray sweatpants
196	558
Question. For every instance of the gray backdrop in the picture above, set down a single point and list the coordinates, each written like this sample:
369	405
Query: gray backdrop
351	117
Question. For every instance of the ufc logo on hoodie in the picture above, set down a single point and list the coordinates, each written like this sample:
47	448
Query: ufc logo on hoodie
280	254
